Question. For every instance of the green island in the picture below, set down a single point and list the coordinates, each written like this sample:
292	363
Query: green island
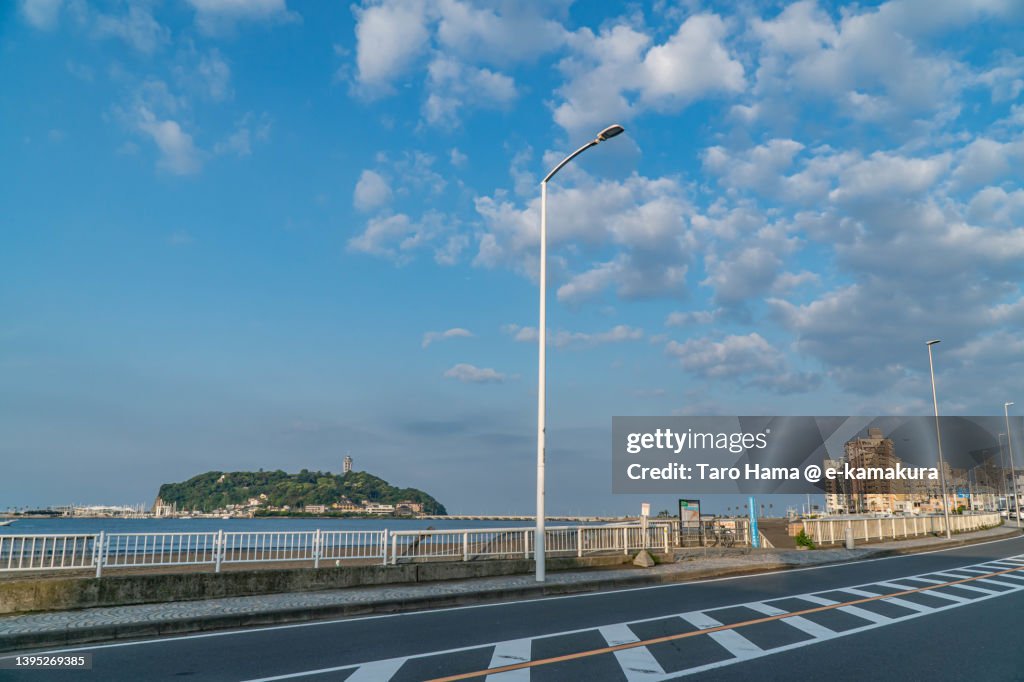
277	493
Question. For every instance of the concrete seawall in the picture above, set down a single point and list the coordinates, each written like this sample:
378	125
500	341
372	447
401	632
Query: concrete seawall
24	595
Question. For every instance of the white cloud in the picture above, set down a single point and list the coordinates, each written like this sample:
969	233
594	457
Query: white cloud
733	356
453	86
389	38
216	75
453	333
41	14
567	339
613	75
643	218
750	360
996	206
451	250
631	276
800	28
521	334
888	175
692	64
372	191
743	273
760	168
1006	81
383	232
178	154
985	161
614	56
247	130
398	236
869	66
457	158
416	171
237	143
217	16
471	374
501	34
137	28
391	35
682	319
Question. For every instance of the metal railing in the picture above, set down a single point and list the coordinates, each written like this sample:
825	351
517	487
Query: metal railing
833	530
713	532
144	550
519	542
39	552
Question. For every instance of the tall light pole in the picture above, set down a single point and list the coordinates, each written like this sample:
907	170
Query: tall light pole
1002	468
538	541
1013	472
938	437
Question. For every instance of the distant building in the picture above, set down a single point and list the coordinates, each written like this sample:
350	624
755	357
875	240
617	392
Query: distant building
315	508
346	465
874	451
836	495
409	507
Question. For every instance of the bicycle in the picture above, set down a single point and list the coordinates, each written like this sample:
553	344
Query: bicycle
723	536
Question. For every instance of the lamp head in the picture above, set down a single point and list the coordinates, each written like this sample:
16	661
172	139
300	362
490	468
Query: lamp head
934	341
1007	404
610	132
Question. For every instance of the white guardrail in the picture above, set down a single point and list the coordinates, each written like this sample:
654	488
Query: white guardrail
141	550
832	530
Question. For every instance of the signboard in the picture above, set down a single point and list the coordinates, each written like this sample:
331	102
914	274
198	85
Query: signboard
689	519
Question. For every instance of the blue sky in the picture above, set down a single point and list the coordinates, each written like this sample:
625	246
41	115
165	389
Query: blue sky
267	234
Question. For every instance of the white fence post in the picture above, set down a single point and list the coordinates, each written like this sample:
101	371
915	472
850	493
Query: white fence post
394	549
384	546
218	550
664	533
579	541
465	545
625	540
316	549
97	550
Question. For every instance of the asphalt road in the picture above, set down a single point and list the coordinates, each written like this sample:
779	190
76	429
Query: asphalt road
937	616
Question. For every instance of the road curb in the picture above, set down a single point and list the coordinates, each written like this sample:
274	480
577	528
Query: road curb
179	626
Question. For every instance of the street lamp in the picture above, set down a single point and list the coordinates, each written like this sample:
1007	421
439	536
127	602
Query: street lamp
938	437
1013	472
538	543
1002	468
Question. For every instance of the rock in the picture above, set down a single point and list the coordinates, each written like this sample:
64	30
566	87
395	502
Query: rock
644	559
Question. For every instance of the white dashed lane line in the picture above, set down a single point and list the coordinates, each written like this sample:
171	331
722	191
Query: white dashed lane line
647	661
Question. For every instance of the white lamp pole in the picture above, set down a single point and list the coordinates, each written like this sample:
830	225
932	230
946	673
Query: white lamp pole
938	436
538	541
1013	472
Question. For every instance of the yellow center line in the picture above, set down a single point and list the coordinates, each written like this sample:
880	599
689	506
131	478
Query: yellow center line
719	628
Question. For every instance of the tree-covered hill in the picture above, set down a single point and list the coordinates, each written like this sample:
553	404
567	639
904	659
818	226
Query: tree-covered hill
217	489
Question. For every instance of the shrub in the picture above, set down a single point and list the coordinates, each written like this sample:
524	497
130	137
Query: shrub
804	540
